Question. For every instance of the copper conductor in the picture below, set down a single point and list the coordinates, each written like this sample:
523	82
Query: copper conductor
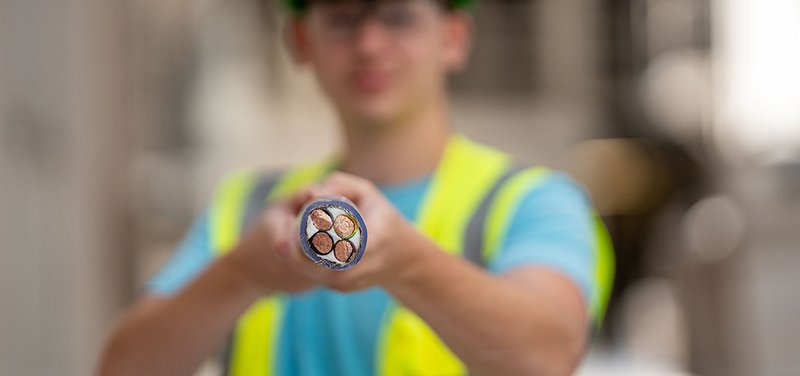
344	226
322	242
343	250
321	219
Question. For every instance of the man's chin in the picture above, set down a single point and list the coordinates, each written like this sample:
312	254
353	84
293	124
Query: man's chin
374	114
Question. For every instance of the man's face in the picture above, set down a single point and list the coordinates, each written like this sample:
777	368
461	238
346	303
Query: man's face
381	62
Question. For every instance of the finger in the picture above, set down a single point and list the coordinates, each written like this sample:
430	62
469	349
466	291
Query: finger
349	179
296	259
339	185
283	230
295	202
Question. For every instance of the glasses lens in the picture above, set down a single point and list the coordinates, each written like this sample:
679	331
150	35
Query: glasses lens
397	18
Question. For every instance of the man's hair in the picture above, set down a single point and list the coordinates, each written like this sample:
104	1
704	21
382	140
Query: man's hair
301	6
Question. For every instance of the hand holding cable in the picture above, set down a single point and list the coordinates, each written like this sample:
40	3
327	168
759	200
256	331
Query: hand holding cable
381	260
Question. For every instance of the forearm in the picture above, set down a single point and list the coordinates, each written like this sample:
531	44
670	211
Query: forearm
494	325
173	336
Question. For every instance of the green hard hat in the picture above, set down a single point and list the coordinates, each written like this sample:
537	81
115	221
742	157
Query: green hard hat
299	6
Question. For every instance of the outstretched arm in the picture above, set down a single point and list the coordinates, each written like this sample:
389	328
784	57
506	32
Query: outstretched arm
173	335
529	320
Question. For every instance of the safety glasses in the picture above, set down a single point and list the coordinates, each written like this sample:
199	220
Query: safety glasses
342	21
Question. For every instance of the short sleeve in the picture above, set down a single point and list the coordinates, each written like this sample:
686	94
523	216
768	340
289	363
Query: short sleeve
552	227
191	257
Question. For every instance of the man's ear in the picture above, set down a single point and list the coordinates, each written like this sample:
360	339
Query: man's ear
458	43
296	39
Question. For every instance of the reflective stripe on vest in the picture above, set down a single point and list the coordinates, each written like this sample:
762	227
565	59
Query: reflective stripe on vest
466	211
604	268
465	176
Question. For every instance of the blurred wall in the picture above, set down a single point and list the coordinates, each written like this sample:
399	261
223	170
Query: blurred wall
65	139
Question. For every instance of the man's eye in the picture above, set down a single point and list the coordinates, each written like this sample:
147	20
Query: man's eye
398	18
342	19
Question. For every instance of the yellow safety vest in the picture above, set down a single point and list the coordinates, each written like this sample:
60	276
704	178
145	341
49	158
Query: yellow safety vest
467	210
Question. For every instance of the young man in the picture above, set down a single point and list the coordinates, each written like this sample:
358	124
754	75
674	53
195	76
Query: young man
472	265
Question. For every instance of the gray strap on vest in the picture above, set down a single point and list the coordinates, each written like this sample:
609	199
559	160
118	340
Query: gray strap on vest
256	200
473	238
258	197
227	354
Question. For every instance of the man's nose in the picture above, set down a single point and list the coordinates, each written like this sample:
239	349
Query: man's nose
371	37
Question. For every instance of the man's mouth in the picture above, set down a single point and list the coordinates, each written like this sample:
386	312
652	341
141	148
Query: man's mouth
369	82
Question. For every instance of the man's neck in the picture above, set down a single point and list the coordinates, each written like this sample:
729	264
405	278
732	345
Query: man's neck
396	154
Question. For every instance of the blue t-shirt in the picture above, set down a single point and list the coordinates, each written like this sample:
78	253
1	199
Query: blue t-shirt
552	227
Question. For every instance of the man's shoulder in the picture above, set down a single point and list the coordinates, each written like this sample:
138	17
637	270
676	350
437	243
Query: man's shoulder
559	180
555	186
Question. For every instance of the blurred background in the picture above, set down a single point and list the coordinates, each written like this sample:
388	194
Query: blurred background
680	117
